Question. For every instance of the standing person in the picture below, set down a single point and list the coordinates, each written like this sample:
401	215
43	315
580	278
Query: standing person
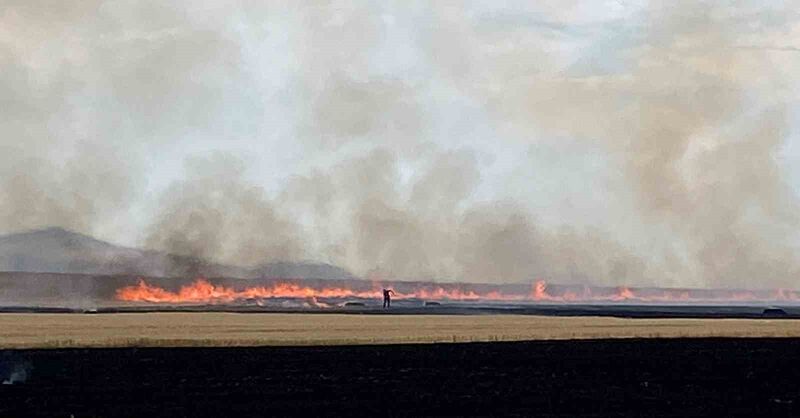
387	298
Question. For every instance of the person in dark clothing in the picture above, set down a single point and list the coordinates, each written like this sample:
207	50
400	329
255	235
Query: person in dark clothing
387	298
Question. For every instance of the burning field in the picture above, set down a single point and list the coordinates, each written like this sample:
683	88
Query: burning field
84	292
322	294
153	311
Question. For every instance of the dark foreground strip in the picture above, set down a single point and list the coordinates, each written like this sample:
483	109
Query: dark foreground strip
672	377
404	307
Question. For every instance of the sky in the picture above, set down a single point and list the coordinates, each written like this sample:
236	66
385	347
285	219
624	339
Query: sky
601	142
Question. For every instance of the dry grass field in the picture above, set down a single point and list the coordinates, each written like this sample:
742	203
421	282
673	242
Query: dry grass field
231	329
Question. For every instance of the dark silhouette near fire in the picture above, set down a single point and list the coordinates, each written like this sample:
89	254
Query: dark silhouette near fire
387	298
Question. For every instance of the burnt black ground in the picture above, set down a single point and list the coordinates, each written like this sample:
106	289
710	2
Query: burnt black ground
418	307
602	378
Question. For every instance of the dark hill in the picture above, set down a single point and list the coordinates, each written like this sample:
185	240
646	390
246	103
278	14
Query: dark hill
57	250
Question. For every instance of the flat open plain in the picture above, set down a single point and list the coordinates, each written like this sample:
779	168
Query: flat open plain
257	329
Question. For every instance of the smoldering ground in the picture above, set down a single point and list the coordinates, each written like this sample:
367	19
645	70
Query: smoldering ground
637	144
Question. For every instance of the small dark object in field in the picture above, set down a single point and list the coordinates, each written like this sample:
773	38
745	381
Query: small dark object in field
431	303
354	304
773	312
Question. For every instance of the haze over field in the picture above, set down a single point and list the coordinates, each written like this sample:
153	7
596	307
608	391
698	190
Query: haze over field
623	142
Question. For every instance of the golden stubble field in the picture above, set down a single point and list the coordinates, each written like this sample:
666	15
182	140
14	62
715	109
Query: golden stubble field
232	329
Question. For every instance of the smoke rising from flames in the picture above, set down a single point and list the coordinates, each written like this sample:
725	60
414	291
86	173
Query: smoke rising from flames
411	144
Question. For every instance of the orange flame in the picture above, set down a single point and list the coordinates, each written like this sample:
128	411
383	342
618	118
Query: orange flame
202	291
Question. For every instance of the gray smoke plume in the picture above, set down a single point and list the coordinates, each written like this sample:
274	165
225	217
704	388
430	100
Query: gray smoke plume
215	216
633	143
697	124
426	227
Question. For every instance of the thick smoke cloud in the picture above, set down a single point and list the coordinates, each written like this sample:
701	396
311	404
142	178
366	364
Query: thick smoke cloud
362	215
698	124
410	142
215	216
73	194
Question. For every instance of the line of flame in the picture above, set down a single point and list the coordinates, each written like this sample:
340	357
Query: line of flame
202	291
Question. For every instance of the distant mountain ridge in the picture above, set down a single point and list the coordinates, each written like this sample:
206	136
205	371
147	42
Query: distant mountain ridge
57	250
